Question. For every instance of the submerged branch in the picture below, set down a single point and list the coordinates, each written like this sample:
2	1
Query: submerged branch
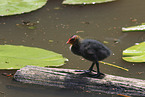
69	78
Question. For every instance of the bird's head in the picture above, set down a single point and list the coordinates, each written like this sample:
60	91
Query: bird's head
73	40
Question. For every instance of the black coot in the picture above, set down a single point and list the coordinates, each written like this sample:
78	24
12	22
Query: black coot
89	49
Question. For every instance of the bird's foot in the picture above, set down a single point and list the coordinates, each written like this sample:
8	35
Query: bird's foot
79	70
85	71
99	75
89	73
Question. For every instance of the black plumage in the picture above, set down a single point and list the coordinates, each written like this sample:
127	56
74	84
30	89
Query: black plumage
89	49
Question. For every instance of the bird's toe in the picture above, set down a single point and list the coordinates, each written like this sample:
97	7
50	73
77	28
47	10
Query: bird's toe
87	71
100	76
84	71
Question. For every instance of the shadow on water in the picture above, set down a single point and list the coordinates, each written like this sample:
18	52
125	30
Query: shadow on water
55	23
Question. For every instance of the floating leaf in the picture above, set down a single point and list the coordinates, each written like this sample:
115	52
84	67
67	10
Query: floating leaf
135	53
12	7
31	27
16	57
73	2
134	28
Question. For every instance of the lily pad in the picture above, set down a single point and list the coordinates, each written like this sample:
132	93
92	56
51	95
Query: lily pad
135	53
134	28
73	2
16	57
12	7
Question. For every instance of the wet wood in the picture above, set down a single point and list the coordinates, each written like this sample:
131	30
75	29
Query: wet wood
69	78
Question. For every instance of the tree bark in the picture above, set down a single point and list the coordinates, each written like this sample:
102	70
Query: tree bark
69	78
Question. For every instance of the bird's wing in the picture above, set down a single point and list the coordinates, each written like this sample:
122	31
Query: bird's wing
90	54
88	49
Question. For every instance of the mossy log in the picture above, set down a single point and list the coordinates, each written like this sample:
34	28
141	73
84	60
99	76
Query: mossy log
69	78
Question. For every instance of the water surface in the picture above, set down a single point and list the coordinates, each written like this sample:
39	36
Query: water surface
57	22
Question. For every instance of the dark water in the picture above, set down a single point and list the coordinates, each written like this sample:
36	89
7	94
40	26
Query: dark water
58	22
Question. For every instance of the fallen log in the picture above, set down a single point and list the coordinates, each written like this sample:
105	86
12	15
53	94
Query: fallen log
69	78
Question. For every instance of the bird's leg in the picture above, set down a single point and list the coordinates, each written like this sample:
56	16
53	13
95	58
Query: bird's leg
91	68
87	71
98	71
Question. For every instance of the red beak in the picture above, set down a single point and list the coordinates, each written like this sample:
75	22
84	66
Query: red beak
68	42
